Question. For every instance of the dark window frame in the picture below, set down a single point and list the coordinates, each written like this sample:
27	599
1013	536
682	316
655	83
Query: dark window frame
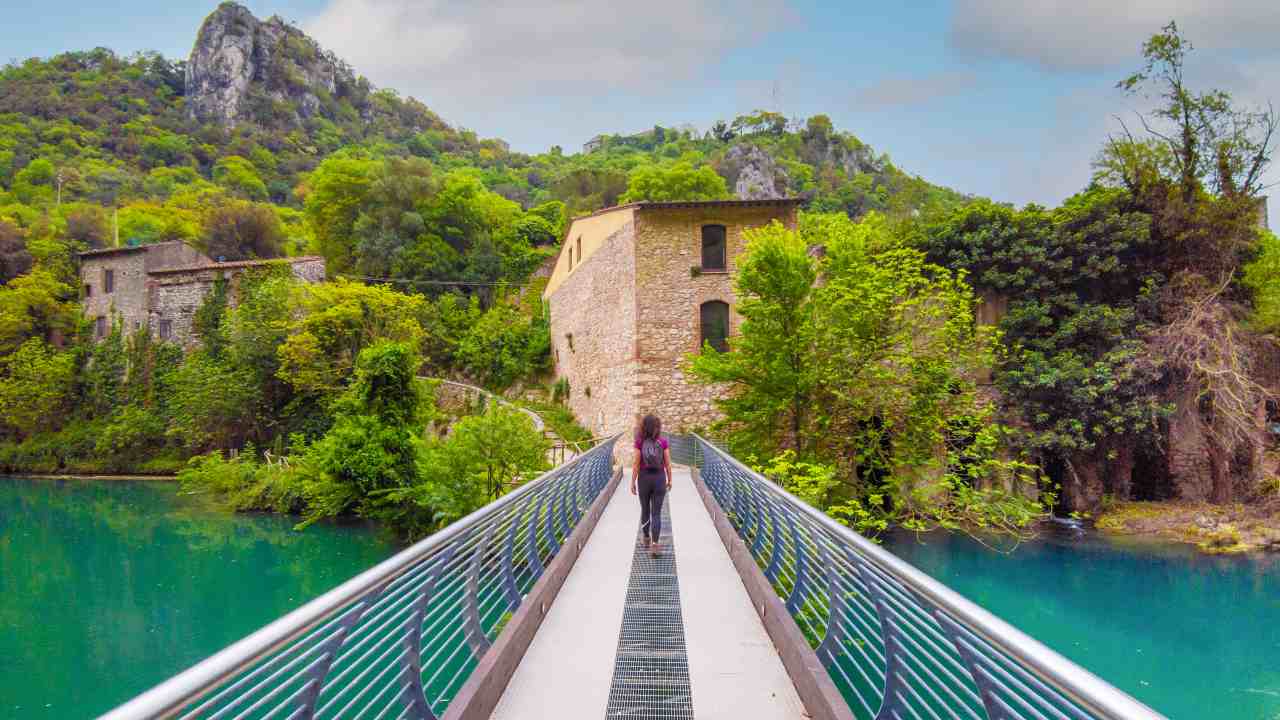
100	326
165	329
108	280
720	343
88	290
709	241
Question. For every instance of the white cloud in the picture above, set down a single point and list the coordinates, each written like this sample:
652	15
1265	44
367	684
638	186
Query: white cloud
903	91
473	55
1235	50
1069	35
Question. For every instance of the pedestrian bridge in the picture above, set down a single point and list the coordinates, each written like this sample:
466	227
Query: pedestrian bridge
543	605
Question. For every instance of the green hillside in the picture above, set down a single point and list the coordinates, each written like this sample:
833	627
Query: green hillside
84	134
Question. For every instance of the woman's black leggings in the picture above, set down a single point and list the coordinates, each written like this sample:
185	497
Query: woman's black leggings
652	488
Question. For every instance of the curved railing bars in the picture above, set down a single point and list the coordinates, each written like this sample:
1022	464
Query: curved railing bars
400	639
894	641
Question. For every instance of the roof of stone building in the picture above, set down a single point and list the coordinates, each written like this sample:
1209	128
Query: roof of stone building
237	264
648	205
127	249
715	203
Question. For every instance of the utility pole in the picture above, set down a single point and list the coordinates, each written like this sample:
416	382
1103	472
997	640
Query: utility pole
115	222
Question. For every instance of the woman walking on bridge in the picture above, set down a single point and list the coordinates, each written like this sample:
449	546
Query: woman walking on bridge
651	479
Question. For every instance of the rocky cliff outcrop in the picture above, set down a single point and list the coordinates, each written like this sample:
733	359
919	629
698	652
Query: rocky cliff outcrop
266	71
753	173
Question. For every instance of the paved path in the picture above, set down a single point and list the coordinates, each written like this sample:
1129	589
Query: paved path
567	450
734	671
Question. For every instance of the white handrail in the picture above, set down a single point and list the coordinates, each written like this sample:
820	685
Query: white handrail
179	691
1082	686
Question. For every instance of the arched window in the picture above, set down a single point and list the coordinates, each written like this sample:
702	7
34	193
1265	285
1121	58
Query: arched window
714	318
713	248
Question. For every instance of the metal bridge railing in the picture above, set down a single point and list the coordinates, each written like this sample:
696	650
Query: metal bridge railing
400	639
896	642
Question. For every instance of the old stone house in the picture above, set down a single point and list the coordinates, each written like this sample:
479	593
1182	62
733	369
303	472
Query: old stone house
634	290
160	286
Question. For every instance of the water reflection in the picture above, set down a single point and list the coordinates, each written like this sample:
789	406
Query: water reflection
109	587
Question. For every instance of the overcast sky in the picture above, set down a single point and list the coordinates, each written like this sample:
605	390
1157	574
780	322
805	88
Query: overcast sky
1001	98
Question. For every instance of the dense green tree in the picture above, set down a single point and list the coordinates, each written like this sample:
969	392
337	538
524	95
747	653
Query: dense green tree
35	305
36	383
770	366
240	176
375	444
678	182
214	403
1262	277
869	370
334	195
87	226
103	377
391	221
483	457
486	455
15	260
333	322
237	230
503	346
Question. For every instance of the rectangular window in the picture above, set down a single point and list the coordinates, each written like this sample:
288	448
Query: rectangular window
88	290
100	327
713	248
166	328
108	281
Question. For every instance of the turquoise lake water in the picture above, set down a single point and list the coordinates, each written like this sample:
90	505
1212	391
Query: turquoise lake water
109	587
1193	636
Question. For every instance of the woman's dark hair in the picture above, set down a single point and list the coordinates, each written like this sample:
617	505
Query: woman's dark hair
650	427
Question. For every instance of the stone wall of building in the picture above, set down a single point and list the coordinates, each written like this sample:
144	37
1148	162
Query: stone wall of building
176	294
593	334
173	254
174	299
127	302
669	295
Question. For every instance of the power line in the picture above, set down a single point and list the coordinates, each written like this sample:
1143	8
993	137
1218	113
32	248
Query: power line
408	281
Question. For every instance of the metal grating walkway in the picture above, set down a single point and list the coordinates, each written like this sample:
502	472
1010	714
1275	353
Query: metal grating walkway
651	670
733	670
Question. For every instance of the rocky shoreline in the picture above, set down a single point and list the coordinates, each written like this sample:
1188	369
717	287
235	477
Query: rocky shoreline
1214	529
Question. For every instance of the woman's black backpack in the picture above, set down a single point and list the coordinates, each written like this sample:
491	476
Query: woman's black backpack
651	454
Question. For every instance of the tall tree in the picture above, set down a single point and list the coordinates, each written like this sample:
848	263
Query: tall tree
770	366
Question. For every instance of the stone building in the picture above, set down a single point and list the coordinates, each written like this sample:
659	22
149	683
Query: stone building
634	290
160	286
